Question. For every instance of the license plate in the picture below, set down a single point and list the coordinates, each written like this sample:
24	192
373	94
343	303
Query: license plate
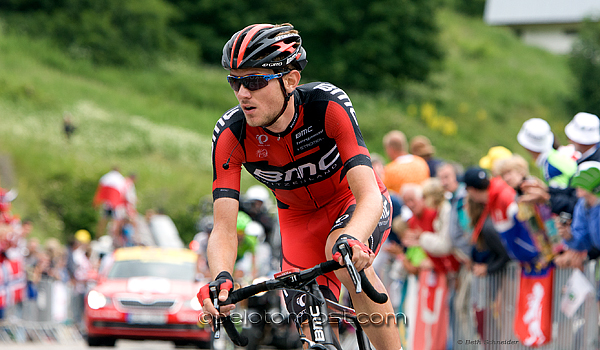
139	318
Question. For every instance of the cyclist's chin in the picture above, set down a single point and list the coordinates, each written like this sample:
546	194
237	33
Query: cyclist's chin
255	120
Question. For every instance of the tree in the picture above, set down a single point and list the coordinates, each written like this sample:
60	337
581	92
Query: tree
107	31
370	45
585	63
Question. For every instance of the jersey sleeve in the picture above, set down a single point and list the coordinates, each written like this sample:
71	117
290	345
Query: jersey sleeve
227	158
342	126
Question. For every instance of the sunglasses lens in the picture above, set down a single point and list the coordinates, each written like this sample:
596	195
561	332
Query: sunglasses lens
252	83
235	83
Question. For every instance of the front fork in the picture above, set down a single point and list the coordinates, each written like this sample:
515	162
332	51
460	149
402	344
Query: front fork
321	333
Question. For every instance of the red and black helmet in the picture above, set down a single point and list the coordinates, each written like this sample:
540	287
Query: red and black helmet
264	46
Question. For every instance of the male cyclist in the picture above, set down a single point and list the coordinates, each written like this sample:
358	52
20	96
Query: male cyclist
303	143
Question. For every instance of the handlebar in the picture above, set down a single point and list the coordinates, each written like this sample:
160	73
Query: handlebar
291	280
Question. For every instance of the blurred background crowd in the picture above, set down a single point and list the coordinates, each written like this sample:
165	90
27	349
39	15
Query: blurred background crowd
451	226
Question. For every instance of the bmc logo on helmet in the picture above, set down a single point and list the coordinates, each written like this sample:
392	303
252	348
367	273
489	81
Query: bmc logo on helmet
301	171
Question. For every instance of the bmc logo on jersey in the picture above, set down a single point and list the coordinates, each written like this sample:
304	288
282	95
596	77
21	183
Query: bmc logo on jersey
304	172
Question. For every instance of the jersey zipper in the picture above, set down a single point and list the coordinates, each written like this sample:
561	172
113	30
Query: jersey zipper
291	154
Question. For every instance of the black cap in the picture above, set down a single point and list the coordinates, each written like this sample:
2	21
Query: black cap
477	178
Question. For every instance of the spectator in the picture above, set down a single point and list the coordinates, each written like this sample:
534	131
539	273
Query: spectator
489	257
79	268
556	168
583	234
458	222
494	154
437	243
110	197
421	146
499	200
421	220
68	126
584	133
403	167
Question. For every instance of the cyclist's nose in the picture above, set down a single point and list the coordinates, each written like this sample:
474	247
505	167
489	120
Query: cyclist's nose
243	92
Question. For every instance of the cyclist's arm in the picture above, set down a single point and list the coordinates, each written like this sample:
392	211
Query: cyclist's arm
222	246
368	210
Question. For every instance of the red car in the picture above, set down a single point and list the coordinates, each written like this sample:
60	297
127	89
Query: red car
147	293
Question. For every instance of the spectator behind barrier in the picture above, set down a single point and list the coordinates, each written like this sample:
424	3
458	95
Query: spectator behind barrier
494	154
499	199
583	234
403	168
584	133
458	223
422	147
556	168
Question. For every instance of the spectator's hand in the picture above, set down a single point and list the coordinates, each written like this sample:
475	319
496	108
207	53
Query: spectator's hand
393	248
479	270
534	191
426	264
563	229
411	238
571	259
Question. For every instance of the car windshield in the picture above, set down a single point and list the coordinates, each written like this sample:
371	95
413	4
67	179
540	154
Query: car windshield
185	271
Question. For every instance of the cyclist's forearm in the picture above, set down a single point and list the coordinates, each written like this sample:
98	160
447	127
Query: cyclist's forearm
221	253
368	203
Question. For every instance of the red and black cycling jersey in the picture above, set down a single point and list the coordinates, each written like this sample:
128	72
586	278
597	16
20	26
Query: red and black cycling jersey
305	165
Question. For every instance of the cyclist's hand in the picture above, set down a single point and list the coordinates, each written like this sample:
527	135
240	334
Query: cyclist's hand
223	284
362	256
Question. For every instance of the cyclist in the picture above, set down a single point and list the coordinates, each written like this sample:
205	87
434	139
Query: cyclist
303	142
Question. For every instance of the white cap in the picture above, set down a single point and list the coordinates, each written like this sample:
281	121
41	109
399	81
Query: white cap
535	135
584	129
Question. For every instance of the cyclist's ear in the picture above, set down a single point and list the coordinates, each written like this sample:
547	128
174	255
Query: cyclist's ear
291	80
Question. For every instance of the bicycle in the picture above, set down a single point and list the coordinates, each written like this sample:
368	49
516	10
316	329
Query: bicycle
305	281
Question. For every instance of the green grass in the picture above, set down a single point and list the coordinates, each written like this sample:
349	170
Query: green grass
158	123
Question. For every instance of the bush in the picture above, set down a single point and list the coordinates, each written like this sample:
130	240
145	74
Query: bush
70	199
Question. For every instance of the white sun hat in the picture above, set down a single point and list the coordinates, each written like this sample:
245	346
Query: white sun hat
584	129
535	135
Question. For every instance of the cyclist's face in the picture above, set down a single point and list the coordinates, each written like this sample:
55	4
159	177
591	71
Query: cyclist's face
261	106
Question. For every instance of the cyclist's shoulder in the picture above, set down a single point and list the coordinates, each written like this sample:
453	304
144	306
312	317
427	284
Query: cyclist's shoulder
320	91
232	119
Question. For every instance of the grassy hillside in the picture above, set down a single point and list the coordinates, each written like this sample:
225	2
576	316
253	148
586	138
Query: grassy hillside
158	122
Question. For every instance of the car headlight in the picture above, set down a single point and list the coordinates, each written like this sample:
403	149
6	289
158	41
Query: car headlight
194	304
96	300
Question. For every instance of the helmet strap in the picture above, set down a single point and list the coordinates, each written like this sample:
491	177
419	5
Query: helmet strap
286	98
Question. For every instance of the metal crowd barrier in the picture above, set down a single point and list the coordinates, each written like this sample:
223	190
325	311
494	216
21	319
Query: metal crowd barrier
49	318
496	298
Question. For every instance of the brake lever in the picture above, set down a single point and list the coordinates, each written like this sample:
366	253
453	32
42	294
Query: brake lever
217	321
350	267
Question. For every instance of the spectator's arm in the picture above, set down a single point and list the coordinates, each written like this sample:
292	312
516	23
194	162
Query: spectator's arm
494	243
579	231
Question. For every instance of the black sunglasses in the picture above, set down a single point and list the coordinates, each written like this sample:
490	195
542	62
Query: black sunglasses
252	82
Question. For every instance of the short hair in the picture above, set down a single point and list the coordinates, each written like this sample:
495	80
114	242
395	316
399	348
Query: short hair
433	192
411	187
456	167
515	162
395	140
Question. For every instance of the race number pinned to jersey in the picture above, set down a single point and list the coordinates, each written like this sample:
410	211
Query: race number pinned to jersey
533	321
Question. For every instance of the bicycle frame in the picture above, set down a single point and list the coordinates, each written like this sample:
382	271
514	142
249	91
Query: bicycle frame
317	307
